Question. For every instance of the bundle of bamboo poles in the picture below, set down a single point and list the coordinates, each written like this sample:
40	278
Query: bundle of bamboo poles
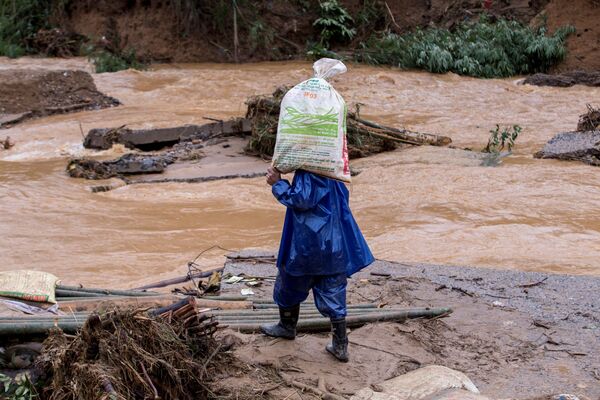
189	319
364	137
203	316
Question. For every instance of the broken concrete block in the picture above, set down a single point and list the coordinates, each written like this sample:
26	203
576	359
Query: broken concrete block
419	384
576	146
154	139
126	165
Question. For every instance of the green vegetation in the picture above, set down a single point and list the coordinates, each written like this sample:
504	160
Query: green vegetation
334	23
105	61
261	36
19	388
20	20
482	49
501	138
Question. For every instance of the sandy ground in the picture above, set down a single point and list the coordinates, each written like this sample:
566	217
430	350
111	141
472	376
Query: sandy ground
517	335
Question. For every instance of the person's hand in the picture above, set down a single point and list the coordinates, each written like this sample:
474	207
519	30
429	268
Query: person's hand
273	176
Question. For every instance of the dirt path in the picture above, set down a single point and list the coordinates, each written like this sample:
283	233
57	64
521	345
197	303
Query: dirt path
515	334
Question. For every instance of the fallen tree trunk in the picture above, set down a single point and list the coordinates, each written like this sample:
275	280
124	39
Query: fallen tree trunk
406	135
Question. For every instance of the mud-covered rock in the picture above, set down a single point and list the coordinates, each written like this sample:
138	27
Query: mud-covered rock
565	80
576	146
134	164
126	165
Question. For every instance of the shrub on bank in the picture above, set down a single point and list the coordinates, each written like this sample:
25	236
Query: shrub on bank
106	61
483	49
19	22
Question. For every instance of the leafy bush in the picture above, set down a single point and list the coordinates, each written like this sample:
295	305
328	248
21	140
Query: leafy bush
261	36
19	388
19	21
105	61
334	23
499	139
482	49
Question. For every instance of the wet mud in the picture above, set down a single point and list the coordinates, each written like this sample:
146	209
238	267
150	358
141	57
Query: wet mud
516	335
26	94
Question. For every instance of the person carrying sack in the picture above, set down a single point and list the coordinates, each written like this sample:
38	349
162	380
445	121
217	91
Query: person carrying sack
321	246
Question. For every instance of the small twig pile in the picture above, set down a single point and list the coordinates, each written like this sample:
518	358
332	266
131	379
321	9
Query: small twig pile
589	121
134	355
57	42
6	144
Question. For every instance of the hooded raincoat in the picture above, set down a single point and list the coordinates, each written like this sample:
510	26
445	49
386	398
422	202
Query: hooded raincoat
320	235
321	243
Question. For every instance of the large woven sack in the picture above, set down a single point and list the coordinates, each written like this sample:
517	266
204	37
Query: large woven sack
311	134
28	285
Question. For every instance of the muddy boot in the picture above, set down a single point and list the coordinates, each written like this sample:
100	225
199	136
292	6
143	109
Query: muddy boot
339	340
286	327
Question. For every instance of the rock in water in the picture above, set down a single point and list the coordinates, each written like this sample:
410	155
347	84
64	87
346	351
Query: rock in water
576	146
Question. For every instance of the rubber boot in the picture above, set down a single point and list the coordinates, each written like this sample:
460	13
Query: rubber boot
339	340
286	327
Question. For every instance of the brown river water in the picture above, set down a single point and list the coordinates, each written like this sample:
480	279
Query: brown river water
425	204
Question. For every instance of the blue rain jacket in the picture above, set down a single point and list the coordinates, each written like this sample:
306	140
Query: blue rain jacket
320	235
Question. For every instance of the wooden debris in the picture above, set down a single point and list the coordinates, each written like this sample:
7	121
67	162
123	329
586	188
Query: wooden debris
589	121
181	279
364	137
6	144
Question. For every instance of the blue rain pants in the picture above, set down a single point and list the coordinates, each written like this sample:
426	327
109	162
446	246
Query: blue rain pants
329	292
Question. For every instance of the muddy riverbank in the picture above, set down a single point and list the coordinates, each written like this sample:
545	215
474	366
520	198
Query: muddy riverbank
517	335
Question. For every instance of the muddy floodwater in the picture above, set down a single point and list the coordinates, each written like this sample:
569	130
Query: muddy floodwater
421	204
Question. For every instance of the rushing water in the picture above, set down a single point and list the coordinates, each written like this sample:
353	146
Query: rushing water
418	205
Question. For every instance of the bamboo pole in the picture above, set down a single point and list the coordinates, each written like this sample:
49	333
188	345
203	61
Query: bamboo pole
72	293
180	279
303	305
323	324
111	292
90	304
272	311
94	303
38	327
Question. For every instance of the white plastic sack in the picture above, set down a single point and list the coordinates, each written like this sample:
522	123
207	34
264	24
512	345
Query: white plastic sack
311	134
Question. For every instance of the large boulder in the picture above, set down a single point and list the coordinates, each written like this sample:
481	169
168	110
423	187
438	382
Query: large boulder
577	146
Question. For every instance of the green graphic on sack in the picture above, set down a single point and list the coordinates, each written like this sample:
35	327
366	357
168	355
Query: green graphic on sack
298	123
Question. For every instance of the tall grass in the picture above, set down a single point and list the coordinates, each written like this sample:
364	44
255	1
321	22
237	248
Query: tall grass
482	49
